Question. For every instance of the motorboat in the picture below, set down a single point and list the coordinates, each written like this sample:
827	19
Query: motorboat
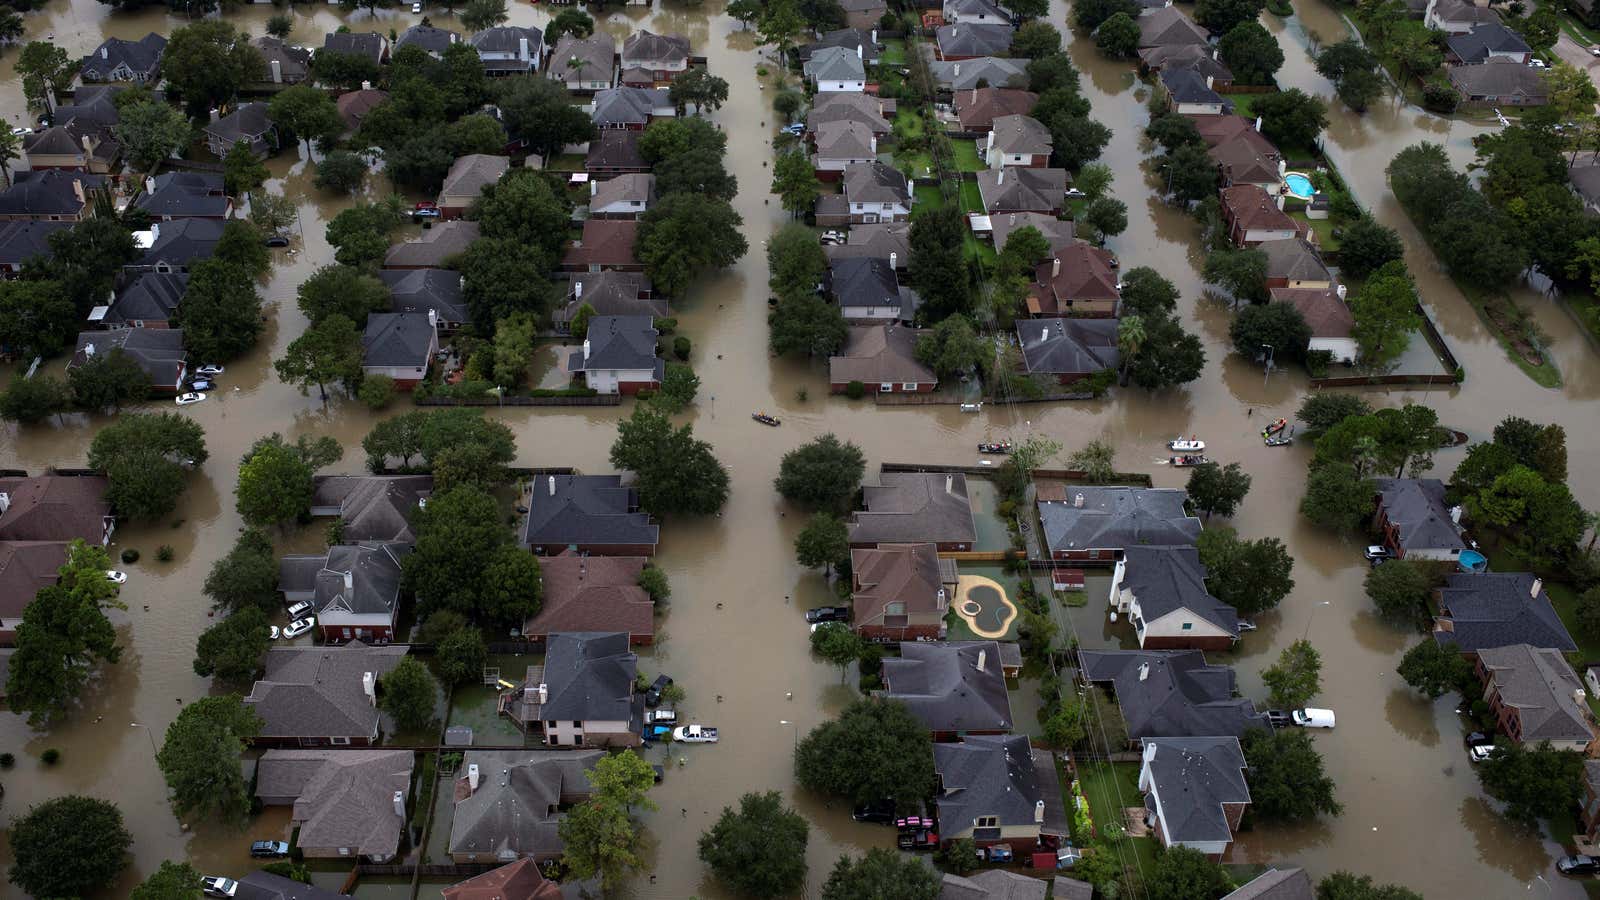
972	407
1190	444
1278	440
765	419
1188	459
1001	447
1274	428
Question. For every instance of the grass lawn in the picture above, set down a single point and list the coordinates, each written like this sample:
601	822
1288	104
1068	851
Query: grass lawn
567	162
894	52
1102	783
1322	228
1587	309
919	162
1565	601
908	123
971	199
966	155
927	195
983	252
1580	32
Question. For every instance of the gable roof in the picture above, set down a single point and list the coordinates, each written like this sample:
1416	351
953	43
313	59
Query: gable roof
181	242
21	241
294	63
633	187
992	884
615	148
866	281
435	247
25	568
1454	11
605	242
1169	26
1585	180
1165	580
514	812
911	507
52	192
1197	57
93	106
845	140
1058	232
585	509
1022	135
353	106
1276	884
954	8
979	107
317	691
421	290
1499	77
1294	259
150	297
851	39
1102	518
1251	208
848	106
1322	308
508	39
945	688
644	47
358	579
835	64
1188	85
996	775
618	342
429	38
912	575
1019	189
363	43
592	593
1497	609
611	293
1484	39
880	354
1191	780
373	507
142	57
1085	273
1243	154
877	240
246	123
181	194
344	798
259	885
974	40
55	508
589	676
398	339
964	74
1172	693
520	880
875	182
1543	689
158	351
597	53
471	173
1416	507
1068	346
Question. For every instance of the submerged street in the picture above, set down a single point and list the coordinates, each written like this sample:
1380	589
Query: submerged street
733	635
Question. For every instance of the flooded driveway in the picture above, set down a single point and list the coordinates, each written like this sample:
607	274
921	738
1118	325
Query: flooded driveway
733	635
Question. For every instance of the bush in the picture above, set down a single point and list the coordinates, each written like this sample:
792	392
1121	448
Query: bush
165	553
666	325
855	390
7	760
1440	98
1317	362
680	347
130	556
376	391
50	756
959	857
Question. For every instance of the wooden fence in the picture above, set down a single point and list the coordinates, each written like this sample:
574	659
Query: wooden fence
1430	332
1118	479
595	400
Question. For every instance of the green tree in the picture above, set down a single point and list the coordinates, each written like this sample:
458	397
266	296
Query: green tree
206	63
172	881
37	318
795	182
654	581
806	324
274	485
1252	53
1346	886
828	759
698	86
1033	40
465	560
1385	311
953	348
1279	326
571	21
1323	410
1436	669
108	381
1088	16
280	25
683	236
272	213
1096	461
69	846
246	577
407	694
1287	783
1218	489
1250	576
837	644
242	248
341	171
824	541
795	261
360	234
1118	36
1297	676
1066	726
328	351
524	206
220	311
759	851
674	471
1292	118
881	873
538	110
232	648
504	277
1184	873
939	275
30	401
513	350
600	840
1400	589
150	132
1533	782
308	113
346	71
1107	216
1368	246
147	454
1242	273
44	67
342	291
1191	173
1221	16
460	656
479	15
823	473
1027	9
623	779
64	633
200	758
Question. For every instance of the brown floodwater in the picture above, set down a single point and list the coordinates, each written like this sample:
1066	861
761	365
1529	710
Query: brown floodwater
733	636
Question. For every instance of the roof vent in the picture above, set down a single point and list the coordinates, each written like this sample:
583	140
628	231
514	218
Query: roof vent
1144	671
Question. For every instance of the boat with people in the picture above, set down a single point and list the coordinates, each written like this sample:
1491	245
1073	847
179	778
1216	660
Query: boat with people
1190	445
1188	459
1001	447
1278	440
1274	428
765	419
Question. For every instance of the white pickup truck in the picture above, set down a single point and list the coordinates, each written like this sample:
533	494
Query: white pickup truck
695	734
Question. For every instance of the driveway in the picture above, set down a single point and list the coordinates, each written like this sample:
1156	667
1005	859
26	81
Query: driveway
1575	54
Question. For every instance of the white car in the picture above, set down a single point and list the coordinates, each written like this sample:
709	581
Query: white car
273	633
1074	194
211	369
190	397
300	609
21	131
1537	63
1313	718
1480	753
218	886
416	7
695	734
115	577
299	627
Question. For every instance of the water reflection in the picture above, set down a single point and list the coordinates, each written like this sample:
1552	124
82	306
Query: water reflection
1412	716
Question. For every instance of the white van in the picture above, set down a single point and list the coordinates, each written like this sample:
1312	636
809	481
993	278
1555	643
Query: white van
1313	718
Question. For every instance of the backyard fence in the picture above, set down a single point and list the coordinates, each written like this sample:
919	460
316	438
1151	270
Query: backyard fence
595	400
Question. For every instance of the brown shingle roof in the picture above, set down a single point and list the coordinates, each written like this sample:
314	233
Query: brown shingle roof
55	508
909	574
880	354
979	107
519	880
25	567
1084	273
1251	208
593	593
1322	308
436	246
605	242
910	507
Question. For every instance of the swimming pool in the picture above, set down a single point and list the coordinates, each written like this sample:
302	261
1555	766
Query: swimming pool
1299	185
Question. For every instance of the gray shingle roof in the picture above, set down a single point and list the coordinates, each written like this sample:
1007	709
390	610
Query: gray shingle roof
961	75
879	354
1069	347
429	38
508	39
373	507
513	813
53	192
615	148
246	123
1021	135
142	57
974	40
1192	778
368	44
1490	37
294	63
590	677
845	140
182	242
1165	580
1019	189
1179	695
1294	259
419	290
946	690
1111	518
158	351
646	49
1167	27
617	342
633	187
974	8
93	107
1543	690
1064	888
611	293
847	106
875	182
1586	181
1276	884
1497	609
317	691
627	105
397	339
360	578
875	240
436	246
863	282
585	509
994	884
180	194
22	241
598	53
259	885
1500	78
835	64
471	173
850	39
912	507
1187	85
1059	232
1416	507
997	775
150	297
344	798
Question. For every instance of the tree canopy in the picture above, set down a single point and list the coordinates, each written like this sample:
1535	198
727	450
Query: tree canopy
147	457
881	874
1287	783
466	560
70	846
675	471
824	473
1533	782
1250	576
64	632
760	850
200	758
828	759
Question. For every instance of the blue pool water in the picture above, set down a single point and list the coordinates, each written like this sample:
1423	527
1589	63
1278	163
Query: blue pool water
1472	561
1299	185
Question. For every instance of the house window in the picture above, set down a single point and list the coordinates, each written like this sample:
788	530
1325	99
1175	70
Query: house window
909	386
897	608
986	822
339	741
1187	626
887	386
344	851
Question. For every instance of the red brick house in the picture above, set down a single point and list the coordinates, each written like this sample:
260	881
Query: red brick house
882	358
593	593
1253	216
1081	280
900	592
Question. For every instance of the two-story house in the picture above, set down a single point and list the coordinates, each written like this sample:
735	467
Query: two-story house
1084	522
119	60
354	589
1535	697
619	355
1195	791
584	64
998	790
509	49
583	695
1163	592
1017	140
900	592
623	197
873	192
653	60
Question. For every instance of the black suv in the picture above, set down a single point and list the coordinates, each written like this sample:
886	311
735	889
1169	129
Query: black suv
652	697
881	813
828	614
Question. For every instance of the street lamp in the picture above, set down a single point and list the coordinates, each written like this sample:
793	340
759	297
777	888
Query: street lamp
1267	369
147	733
796	728
1313	617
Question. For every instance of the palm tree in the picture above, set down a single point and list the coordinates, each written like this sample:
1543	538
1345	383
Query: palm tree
1130	337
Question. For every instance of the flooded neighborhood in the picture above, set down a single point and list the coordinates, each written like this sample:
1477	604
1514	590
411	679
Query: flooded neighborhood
733	634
